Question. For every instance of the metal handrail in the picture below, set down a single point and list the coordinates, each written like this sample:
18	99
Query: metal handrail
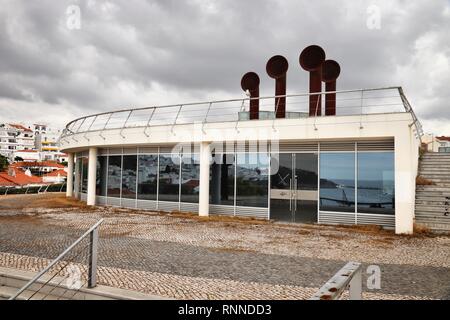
350	276
68	132
93	232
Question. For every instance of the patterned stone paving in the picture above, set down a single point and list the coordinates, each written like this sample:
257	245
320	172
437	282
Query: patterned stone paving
186	257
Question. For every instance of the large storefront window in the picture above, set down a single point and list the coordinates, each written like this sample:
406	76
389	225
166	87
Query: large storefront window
252	179
190	178
129	177
148	177
114	176
169	178
376	182
221	184
84	179
102	171
337	182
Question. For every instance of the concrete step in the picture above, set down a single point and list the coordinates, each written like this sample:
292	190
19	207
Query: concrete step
13	280
6	292
434	169
433	188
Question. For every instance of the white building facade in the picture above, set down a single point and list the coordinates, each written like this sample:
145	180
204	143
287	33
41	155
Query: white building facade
355	167
14	137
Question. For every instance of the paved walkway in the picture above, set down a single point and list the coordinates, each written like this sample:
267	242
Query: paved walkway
185	257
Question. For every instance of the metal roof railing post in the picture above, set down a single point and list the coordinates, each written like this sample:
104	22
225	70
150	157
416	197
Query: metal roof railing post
95	118
206	117
148	122
176	118
241	109
104	127
125	123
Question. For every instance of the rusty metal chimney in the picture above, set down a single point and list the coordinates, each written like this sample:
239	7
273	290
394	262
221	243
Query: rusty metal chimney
250	82
276	68
311	60
330	72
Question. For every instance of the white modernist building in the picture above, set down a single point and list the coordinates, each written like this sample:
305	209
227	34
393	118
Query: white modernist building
355	167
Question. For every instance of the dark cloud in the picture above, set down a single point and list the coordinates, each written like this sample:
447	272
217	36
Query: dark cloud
139	52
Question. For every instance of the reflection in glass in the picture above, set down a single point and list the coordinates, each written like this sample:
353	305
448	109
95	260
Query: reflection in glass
337	182
169	178
114	175
129	177
252	179
376	182
84	179
148	177
102	171
190	175
221	183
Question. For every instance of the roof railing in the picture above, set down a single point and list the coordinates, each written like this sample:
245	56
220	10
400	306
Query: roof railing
348	102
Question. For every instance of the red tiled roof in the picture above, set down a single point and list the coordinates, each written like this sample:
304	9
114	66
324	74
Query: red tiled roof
19	126
443	138
55	173
19	179
26	151
52	164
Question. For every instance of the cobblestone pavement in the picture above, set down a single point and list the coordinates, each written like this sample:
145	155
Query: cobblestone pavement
187	257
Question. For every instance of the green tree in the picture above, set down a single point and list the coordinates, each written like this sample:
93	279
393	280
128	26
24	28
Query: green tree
18	159
3	163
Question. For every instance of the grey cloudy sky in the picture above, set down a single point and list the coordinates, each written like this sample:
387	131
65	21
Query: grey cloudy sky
139	53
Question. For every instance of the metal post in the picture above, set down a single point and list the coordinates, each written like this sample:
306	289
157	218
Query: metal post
93	251
355	286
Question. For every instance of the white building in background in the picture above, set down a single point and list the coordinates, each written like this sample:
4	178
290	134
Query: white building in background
15	137
434	143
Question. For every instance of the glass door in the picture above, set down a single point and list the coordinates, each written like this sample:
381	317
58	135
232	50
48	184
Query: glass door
293	193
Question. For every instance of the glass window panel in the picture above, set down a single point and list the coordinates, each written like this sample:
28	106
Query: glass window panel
376	182
84	180
337	182
148	177
221	184
190	175
102	172
252	179
114	176
169	178
129	164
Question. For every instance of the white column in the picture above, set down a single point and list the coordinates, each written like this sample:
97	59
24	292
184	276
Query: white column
405	175
92	176
205	154
69	189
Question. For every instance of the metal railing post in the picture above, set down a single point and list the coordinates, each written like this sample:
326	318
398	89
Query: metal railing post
355	286
93	248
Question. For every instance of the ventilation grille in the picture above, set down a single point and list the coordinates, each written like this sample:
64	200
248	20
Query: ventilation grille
337	146
113	201
129	150
100	200
387	145
387	221
146	204
151	150
336	218
128	203
115	151
261	213
296	147
168	206
188	207
219	209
